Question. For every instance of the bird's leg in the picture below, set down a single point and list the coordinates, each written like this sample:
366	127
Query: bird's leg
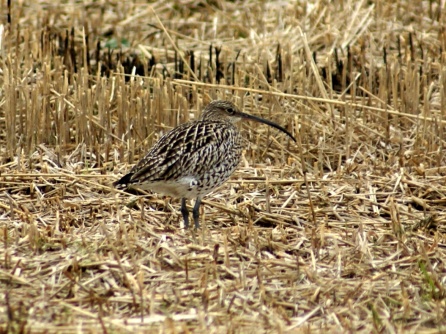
196	212
185	213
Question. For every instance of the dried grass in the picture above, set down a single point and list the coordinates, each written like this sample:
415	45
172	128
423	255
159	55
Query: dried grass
343	232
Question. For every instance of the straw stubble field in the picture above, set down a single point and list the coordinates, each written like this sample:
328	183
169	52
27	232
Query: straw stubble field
344	231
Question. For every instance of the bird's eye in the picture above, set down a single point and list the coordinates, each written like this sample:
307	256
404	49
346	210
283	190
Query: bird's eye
230	111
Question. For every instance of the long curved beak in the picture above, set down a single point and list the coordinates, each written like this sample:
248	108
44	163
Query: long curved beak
264	121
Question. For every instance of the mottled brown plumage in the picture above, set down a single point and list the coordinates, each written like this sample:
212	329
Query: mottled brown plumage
194	158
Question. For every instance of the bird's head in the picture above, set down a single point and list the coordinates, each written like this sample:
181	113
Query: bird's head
220	110
225	111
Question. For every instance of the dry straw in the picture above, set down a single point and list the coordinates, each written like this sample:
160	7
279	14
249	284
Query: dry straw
343	232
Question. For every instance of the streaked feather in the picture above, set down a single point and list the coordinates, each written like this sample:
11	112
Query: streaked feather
194	158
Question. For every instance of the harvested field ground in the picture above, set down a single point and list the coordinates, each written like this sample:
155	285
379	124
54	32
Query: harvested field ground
343	231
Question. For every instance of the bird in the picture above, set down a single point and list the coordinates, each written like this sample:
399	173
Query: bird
194	158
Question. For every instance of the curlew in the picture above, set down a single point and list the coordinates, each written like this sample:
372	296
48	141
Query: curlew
194	158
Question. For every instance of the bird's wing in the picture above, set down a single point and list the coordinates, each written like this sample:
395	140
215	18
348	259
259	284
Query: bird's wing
188	150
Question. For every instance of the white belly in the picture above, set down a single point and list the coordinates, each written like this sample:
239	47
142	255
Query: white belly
186	187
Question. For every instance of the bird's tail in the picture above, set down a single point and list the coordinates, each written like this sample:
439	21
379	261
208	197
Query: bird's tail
123	182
